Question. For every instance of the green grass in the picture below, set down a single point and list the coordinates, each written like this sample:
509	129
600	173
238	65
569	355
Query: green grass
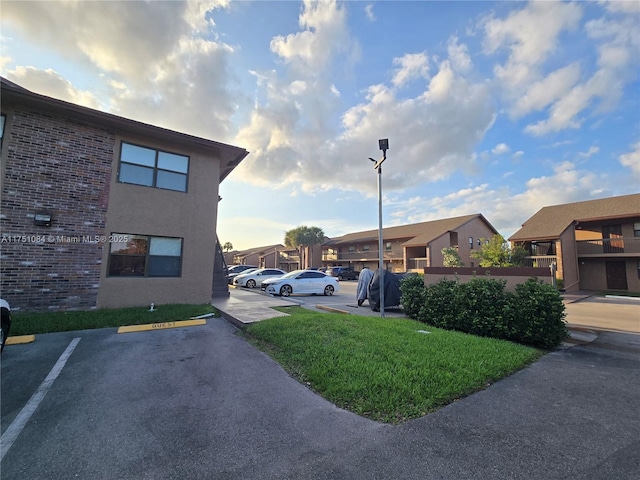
384	369
48	322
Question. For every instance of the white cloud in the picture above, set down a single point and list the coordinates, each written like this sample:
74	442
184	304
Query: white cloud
500	149
459	55
54	84
412	66
505	209
568	94
589	153
531	35
368	10
632	160
156	67
544	92
324	32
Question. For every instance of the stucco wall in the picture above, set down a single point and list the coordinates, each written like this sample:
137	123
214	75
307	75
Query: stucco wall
512	275
475	228
191	215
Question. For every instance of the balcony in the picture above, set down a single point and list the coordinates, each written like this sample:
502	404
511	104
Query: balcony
609	246
371	255
543	261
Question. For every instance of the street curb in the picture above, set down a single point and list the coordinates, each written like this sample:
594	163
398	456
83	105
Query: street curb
331	309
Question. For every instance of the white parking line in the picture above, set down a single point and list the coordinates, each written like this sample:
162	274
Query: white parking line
23	417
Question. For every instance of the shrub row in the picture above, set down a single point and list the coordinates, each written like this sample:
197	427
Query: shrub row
532	315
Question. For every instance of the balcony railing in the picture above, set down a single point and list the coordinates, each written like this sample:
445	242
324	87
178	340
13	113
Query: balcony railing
544	261
355	256
416	263
609	246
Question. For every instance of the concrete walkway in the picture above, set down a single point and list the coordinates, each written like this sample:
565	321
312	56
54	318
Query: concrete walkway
244	307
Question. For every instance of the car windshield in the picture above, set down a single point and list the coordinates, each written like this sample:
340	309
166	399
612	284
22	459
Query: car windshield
292	274
249	270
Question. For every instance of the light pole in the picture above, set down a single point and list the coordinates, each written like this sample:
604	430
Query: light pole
384	146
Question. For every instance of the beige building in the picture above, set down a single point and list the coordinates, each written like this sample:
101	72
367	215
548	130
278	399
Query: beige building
595	245
103	211
410	247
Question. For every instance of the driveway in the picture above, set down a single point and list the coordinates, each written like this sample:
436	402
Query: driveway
202	403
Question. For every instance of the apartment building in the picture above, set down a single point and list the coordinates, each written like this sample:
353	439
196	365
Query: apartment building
103	211
595	244
410	247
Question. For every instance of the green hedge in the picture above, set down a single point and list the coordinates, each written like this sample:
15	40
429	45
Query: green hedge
532	315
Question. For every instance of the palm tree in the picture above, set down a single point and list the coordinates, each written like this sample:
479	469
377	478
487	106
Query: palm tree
302	237
227	247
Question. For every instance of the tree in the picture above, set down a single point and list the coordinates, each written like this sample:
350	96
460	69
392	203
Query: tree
227	247
451	258
302	237
497	253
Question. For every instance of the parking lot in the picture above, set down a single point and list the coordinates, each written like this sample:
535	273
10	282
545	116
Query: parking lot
201	402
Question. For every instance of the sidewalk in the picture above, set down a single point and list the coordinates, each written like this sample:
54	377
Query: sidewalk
244	307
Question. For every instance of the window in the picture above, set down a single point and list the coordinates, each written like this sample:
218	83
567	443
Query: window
365	248
352	248
387	246
638	268
142	256
636	229
471	243
153	168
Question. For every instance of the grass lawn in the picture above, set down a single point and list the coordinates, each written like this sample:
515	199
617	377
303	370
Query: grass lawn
47	322
385	369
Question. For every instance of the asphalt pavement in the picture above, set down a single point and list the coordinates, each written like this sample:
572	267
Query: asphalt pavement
202	403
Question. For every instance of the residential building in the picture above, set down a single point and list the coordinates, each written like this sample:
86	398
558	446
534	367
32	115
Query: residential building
595	245
270	256
103	211
410	247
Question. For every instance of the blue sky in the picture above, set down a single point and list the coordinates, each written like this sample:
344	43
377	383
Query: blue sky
497	108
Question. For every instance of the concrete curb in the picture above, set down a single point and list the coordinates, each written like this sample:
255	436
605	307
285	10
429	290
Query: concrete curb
331	309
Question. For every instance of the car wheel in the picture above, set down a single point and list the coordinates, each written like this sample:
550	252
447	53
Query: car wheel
328	290
251	284
286	290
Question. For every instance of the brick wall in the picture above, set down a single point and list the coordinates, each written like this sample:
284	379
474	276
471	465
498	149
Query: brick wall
55	163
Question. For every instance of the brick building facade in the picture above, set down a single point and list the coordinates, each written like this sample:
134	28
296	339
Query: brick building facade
54	164
62	160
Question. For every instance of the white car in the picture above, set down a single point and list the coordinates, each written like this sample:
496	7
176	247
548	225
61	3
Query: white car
302	281
256	277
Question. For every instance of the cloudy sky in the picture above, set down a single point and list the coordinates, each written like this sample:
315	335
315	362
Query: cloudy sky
497	108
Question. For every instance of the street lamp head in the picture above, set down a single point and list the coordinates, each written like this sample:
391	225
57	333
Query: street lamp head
383	144
373	160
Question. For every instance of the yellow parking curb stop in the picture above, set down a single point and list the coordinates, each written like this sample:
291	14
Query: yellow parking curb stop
20	339
161	326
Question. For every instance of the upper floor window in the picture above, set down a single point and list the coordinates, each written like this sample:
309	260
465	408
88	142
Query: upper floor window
143	256
471	243
365	248
352	248
387	246
636	229
153	168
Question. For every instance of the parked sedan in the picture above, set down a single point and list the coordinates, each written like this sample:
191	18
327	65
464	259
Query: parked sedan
256	277
235	273
302	281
